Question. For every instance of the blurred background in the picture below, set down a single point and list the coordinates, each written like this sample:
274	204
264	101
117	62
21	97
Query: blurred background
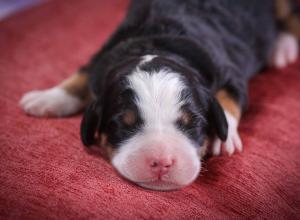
10	7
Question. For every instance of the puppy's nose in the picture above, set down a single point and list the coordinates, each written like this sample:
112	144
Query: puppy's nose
161	166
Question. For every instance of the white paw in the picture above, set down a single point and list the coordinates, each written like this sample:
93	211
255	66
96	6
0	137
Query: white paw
54	102
285	52
233	141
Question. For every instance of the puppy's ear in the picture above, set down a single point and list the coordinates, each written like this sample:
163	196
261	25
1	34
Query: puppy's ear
217	119
90	122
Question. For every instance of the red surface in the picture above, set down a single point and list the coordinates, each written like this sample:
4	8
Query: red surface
46	173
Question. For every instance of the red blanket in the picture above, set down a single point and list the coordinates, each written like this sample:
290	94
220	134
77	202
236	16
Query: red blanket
45	172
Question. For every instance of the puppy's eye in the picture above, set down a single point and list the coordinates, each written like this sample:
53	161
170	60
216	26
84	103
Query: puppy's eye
129	117
185	118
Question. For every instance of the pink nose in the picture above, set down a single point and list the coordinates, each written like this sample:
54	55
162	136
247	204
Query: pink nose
161	166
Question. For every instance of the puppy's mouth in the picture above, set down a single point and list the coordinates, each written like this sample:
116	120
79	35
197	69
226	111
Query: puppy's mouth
159	184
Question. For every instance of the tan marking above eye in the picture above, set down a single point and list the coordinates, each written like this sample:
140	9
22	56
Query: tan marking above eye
129	117
185	118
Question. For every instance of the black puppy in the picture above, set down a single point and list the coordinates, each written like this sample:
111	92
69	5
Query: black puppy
172	74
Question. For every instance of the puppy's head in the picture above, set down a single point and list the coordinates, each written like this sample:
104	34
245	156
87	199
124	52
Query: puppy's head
156	116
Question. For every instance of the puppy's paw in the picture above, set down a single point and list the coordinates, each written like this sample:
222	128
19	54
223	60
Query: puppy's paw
285	52
54	102
233	141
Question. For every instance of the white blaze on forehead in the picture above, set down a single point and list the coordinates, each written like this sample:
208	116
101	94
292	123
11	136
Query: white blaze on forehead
147	58
158	97
159	102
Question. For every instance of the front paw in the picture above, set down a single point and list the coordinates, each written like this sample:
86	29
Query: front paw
233	141
54	102
285	52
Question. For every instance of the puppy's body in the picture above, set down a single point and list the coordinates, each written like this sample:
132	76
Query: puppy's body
173	74
226	42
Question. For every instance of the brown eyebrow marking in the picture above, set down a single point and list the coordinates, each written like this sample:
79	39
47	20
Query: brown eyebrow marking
185	118
129	117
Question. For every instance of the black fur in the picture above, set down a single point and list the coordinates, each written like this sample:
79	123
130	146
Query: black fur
116	129
214	44
90	123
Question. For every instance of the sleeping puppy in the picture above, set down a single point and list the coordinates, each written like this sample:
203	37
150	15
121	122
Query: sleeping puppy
171	80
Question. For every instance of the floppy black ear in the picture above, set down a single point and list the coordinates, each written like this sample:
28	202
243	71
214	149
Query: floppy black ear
89	124
217	119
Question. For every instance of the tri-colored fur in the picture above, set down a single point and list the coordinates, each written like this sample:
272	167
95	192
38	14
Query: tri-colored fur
173	76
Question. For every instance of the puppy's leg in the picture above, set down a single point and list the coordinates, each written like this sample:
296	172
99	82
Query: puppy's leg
287	13
65	99
286	50
233	114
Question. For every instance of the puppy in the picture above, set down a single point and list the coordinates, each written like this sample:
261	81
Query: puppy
173	75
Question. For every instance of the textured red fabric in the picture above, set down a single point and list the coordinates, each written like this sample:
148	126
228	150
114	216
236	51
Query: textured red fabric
45	172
